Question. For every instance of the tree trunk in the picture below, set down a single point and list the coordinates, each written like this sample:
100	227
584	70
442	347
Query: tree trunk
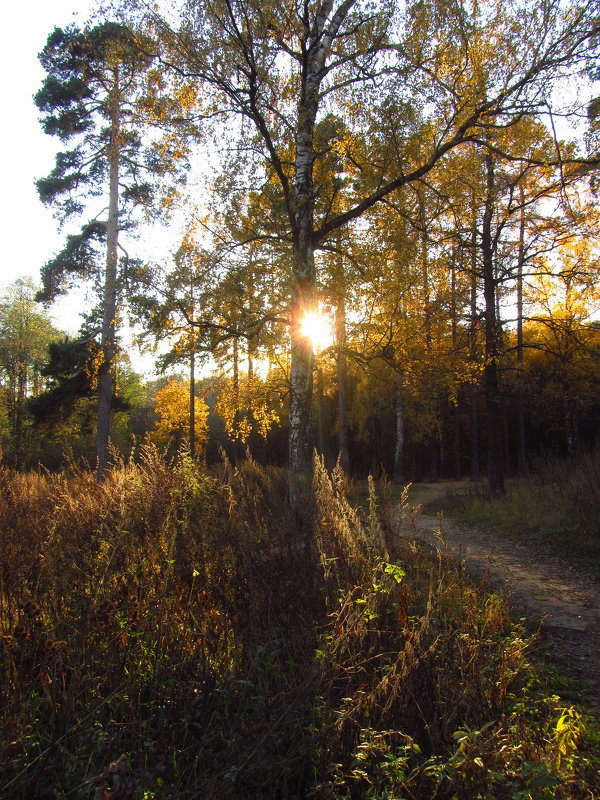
521	444
570	417
318	47
495	459
237	413
456	431
320	413
399	445
192	402
425	271
301	388
108	344
342	386
433	457
473	332
475	465
248	401
20	397
304	284
455	405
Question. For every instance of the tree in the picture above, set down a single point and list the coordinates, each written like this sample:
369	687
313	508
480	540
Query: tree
172	408
25	334
173	306
511	211
209	305
562	359
399	75
94	78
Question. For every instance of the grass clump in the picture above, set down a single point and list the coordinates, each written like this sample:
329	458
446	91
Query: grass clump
180	633
555	507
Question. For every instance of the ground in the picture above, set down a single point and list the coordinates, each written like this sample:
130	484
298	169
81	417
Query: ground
543	590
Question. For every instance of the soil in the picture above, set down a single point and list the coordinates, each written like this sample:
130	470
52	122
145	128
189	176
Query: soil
563	604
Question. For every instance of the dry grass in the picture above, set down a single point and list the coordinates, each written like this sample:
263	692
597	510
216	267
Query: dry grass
556	507
176	633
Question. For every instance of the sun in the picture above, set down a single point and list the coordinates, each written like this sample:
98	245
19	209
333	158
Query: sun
317	328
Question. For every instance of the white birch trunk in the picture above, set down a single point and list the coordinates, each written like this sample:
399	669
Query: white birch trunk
317	49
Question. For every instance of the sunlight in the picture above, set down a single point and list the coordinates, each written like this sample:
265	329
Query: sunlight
317	327
262	367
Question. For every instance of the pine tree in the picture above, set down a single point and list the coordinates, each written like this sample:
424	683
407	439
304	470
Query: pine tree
95	78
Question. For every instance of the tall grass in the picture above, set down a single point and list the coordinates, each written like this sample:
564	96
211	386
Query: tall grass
180	633
556	506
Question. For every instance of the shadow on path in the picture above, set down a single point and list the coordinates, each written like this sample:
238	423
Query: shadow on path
542	589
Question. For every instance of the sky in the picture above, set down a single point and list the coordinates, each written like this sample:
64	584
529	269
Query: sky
29	232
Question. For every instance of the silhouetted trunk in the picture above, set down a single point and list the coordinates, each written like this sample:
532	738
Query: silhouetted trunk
475	465
473	334
425	271
320	413
521	443
342	386
236	398
455	405
108	342
251	441
433	457
456	430
571	433
399	444
495	458
192	402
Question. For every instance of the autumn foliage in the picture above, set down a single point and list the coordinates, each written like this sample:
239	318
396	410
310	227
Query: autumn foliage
172	406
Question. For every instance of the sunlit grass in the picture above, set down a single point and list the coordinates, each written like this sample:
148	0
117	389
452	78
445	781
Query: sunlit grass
556	508
207	640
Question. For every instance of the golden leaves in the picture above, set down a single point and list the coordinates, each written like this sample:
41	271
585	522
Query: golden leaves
173	409
247	407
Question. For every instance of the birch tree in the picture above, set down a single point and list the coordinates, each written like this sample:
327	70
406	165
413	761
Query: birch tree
400	75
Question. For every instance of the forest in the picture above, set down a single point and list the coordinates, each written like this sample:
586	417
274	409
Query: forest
378	239
358	245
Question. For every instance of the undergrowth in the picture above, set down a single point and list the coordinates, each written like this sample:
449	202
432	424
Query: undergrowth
180	633
556	507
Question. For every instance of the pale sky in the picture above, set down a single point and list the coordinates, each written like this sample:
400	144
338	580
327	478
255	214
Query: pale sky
28	231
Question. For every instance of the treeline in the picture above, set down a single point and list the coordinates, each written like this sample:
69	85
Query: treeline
550	401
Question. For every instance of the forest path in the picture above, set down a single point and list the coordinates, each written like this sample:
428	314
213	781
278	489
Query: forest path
542	589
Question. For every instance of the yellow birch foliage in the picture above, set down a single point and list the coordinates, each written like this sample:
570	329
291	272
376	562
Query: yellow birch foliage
172	406
250	407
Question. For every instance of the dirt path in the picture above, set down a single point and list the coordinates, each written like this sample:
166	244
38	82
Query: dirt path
541	588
